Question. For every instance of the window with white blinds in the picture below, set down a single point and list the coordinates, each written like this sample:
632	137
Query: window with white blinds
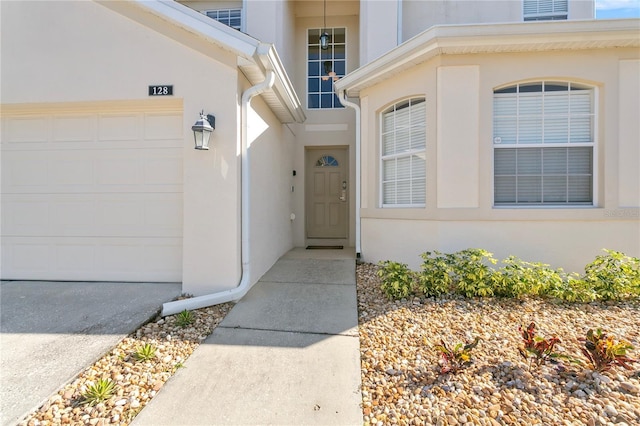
543	144
545	10
229	17
403	160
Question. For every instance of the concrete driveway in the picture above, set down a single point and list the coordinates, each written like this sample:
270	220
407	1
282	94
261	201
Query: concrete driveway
51	331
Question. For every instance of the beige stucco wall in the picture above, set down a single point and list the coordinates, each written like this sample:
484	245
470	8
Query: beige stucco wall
459	211
378	28
84	52
270	146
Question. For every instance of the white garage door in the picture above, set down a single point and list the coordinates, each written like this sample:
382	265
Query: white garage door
92	192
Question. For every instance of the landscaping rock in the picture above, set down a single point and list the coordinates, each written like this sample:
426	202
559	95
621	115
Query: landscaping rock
499	387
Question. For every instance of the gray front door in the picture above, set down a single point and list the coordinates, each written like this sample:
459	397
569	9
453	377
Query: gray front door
326	192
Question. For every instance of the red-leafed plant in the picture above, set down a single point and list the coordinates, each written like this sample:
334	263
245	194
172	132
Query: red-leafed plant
452	360
538	348
603	352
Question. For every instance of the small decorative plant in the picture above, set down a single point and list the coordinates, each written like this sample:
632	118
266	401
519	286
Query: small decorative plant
145	353
538	348
603	352
98	392
452	360
185	318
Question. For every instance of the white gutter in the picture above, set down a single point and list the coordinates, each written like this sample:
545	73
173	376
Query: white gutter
244	285
356	107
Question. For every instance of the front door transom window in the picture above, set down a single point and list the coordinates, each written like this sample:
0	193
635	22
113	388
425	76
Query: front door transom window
327	161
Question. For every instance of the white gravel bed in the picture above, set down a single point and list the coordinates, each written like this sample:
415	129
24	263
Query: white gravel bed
137	382
401	383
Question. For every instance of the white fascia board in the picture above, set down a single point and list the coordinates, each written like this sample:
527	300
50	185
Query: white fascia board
488	38
200	25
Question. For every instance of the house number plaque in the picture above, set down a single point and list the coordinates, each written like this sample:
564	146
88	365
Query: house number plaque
164	90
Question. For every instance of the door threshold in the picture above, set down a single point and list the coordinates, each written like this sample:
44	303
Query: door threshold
315	247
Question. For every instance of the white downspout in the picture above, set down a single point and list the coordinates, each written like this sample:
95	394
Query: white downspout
356	107
243	287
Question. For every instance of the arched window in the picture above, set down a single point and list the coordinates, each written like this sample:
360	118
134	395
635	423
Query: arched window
543	143
403	161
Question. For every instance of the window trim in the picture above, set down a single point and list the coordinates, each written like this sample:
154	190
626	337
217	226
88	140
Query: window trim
307	76
408	153
594	144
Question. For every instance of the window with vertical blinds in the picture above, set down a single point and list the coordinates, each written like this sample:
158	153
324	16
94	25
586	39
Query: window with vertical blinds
543	144
545	10
403	160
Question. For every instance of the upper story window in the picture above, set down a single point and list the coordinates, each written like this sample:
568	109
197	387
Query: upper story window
403	157
543	142
229	17
324	66
545	10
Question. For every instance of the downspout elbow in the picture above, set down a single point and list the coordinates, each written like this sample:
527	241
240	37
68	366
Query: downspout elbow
244	285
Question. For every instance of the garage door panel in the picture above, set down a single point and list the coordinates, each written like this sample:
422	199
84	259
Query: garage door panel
65	172
21	130
99	171
91	194
109	215
119	127
125	171
74	128
162	126
105	259
17	177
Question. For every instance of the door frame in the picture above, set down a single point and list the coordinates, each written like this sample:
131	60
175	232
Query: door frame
308	150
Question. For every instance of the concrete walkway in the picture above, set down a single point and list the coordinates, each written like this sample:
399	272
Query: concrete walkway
287	353
52	331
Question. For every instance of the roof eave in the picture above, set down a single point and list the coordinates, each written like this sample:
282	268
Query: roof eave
494	38
254	58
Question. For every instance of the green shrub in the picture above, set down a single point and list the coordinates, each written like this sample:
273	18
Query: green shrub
472	274
469	272
397	279
614	275
572	288
435	277
519	278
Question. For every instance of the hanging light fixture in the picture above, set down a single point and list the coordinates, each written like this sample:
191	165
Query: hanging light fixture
324	37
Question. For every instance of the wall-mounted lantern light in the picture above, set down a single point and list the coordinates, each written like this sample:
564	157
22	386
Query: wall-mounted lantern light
202	130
